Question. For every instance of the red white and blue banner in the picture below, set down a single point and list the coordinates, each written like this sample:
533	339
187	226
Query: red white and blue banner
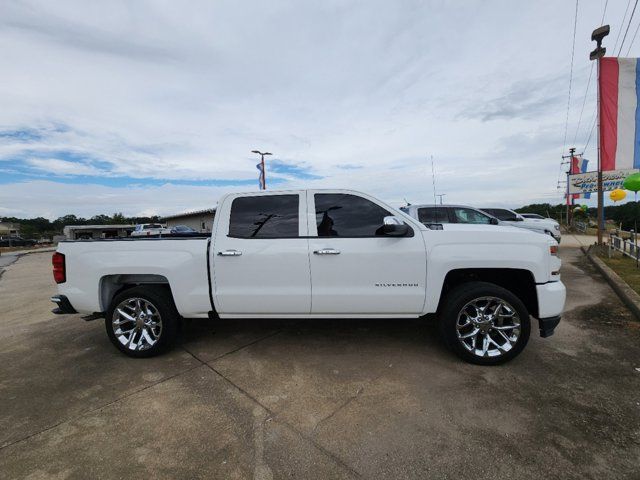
578	165
261	178
619	113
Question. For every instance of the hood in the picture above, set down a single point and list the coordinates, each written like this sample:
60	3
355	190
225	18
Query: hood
502	229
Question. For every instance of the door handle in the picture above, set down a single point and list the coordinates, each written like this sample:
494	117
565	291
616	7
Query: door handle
327	251
230	253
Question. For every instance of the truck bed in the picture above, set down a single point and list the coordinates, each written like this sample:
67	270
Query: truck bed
97	268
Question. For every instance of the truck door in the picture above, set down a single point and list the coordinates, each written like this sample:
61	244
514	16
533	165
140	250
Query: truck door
355	268
260	255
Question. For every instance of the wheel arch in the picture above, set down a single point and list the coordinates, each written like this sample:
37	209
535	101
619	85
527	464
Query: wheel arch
112	285
520	282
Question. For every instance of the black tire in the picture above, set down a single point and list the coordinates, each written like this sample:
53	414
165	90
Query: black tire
161	300
458	299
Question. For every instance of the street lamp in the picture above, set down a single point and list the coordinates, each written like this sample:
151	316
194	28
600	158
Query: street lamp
264	172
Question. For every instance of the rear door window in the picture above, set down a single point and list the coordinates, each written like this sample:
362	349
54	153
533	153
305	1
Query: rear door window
265	216
429	215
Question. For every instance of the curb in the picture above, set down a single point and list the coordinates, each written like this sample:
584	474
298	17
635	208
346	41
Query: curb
628	296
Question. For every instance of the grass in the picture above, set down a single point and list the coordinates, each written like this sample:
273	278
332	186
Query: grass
625	267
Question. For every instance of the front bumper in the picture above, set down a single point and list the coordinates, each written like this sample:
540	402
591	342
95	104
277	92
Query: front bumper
548	325
551	298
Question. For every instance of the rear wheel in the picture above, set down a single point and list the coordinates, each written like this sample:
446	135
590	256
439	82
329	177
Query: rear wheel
484	324
142	321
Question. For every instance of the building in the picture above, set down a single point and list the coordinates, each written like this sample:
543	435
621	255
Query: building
201	220
8	229
82	232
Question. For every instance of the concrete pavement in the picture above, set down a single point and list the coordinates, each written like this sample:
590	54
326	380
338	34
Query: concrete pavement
316	399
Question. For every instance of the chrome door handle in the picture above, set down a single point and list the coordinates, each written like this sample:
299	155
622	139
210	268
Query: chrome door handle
327	251
230	253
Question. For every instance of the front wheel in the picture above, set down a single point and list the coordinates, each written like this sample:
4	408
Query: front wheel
142	321
484	323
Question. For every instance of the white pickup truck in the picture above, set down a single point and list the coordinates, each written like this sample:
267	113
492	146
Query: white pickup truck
318	254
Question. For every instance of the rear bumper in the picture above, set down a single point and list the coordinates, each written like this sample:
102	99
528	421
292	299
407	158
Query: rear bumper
64	305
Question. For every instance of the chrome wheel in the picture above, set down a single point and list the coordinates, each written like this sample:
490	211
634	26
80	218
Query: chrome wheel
488	327
136	324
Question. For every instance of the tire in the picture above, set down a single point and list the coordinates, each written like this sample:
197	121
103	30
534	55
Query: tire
465	325
142	321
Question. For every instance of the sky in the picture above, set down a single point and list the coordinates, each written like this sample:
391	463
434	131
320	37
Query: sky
153	107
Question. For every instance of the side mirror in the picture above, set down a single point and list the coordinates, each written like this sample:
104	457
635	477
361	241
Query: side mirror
494	221
394	227
519	218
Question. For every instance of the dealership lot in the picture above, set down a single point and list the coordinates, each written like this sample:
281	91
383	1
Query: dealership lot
315	399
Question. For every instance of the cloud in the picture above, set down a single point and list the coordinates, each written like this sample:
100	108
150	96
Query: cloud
53	166
128	96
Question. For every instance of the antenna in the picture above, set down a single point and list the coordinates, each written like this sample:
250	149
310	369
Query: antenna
433	178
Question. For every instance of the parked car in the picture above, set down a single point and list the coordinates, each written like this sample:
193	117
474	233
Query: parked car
435	215
547	226
150	229
183	230
533	216
319	254
16	242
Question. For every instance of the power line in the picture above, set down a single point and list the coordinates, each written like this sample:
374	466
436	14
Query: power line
566	121
621	24
573	49
633	40
590	132
586	93
628	25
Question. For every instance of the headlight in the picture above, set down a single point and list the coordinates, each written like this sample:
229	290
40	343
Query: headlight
557	227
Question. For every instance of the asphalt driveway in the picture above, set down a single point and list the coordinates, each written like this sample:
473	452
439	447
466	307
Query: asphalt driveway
315	399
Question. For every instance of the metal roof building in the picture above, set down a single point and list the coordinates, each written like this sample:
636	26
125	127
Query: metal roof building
199	220
78	232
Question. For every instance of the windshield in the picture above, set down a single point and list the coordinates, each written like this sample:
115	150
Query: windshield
500	213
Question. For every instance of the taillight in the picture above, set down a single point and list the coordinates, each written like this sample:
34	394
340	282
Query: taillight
553	249
59	272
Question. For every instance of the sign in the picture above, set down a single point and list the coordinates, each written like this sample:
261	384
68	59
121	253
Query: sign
588	182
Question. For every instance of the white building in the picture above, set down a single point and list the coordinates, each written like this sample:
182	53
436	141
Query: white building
80	232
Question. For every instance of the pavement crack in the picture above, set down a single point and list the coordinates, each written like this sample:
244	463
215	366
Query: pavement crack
340	407
272	334
97	409
272	414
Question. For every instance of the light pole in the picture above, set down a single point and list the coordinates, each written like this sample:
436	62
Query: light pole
441	195
596	36
264	171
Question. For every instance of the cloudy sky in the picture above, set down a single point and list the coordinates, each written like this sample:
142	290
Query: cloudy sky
153	107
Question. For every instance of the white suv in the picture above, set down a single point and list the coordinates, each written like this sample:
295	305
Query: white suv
541	225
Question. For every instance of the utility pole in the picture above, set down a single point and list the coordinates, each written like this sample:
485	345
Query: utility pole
441	195
263	185
569	160
597	36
